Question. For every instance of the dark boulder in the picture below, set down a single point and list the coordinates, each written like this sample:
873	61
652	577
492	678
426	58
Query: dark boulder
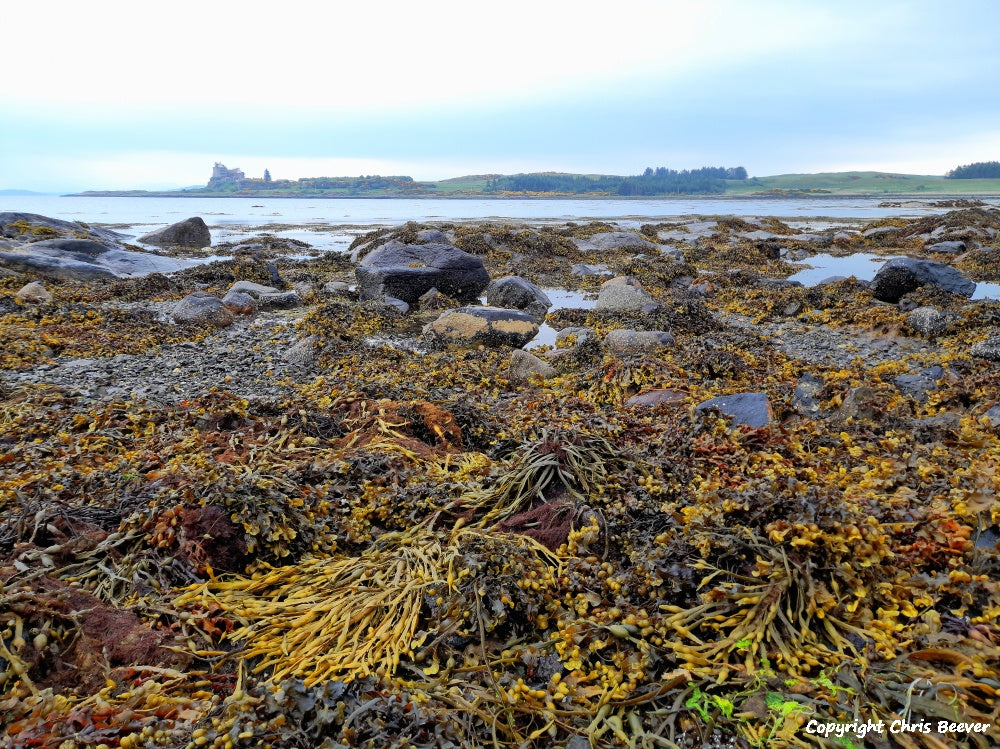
748	409
514	292
407	271
952	247
191	232
902	275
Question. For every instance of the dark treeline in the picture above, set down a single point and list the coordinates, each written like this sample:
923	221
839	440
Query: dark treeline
979	170
659	181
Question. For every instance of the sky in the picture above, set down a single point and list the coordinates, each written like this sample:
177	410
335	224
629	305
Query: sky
117	95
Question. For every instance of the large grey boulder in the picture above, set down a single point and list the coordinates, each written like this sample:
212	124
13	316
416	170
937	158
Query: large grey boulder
490	326
407	271
191	232
33	227
902	275
514	292
202	308
622	297
67	266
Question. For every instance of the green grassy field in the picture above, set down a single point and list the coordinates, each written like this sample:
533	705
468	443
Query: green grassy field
864	183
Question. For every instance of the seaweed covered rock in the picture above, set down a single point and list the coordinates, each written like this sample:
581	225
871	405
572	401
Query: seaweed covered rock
407	271
491	326
514	292
191	232
614	240
202	308
625	342
902	275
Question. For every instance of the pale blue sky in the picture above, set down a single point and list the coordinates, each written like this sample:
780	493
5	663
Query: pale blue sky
103	95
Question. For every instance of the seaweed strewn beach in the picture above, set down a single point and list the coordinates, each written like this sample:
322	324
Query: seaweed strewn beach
241	504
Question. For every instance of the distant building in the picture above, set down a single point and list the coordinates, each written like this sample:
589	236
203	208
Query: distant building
220	174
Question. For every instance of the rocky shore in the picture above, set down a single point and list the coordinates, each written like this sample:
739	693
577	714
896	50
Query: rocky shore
349	500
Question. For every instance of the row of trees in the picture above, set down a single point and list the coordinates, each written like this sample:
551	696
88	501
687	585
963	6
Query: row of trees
979	170
659	181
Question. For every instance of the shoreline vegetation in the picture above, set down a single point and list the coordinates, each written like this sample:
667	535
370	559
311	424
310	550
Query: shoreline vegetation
267	501
562	186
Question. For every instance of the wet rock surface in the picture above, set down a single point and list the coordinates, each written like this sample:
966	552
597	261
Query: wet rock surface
191	232
408	271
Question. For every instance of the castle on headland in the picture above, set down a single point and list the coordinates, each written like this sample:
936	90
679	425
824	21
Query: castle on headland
221	175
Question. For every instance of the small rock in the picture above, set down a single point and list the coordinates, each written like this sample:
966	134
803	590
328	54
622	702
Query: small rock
280	300
398	304
953	247
657	397
491	326
524	366
622	281
749	409
993	416
672	253
625	342
302	353
590	269
622	297
987	349
514	292
919	385
792	309
928	321
201	308
253	289
239	302
432	235
806	396
34	293
860	403
337	288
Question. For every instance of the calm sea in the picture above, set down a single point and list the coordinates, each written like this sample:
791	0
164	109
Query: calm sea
332	223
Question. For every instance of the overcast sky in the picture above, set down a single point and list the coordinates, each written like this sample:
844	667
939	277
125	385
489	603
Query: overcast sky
113	95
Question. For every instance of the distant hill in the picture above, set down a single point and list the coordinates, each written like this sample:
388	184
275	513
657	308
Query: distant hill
560	184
